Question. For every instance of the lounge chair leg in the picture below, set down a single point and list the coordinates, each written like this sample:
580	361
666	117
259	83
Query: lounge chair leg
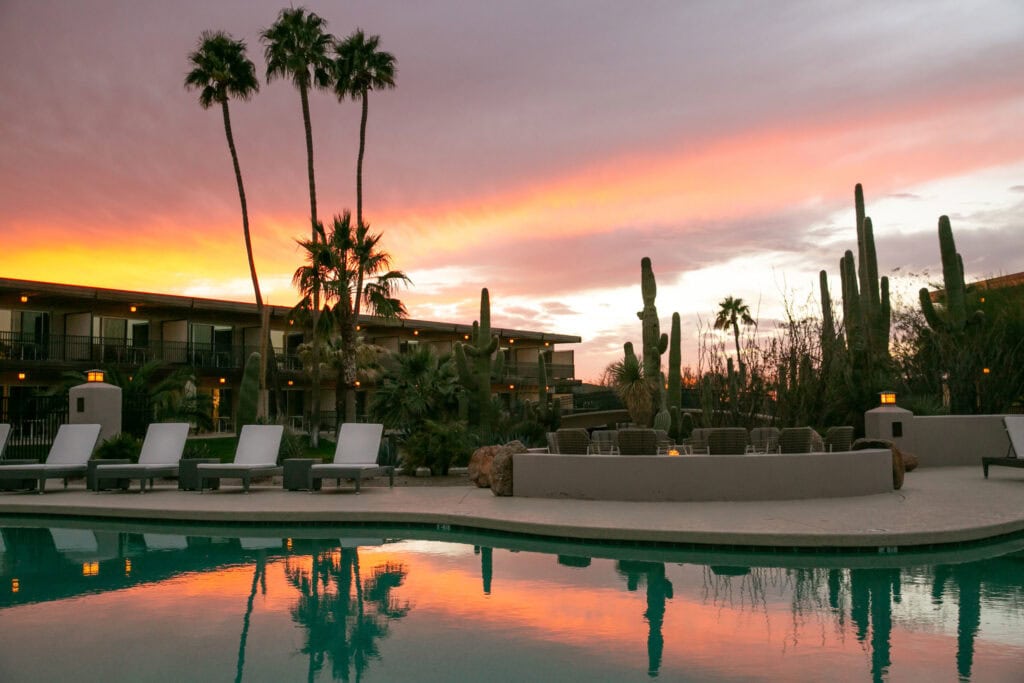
358	478
391	477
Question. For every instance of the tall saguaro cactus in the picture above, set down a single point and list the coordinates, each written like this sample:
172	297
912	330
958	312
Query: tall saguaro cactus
675	371
950	323
953	317
478	365
654	341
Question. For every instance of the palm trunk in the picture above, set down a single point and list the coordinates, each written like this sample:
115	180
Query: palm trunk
314	403
736	338
245	209
359	164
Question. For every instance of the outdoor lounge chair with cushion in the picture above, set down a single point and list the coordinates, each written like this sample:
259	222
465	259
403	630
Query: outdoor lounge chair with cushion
1014	425
355	456
698	440
68	456
256	456
160	456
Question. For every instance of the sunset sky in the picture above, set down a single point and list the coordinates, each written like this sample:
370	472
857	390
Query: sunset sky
537	148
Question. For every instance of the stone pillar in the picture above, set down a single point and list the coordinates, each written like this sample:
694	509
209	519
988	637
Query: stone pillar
891	423
96	402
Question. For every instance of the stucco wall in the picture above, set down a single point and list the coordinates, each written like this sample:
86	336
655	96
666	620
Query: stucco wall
942	440
702	477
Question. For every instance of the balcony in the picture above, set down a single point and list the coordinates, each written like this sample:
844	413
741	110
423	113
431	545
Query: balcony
79	350
527	373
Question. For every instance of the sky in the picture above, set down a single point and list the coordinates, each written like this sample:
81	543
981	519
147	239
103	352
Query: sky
539	148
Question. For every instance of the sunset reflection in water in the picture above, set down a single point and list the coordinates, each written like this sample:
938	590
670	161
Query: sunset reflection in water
375	608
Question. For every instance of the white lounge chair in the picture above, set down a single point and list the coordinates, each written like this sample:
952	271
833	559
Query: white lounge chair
256	456
5	433
355	456
160	456
165	541
1014	425
68	456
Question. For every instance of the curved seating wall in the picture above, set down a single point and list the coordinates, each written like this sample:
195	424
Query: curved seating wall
703	477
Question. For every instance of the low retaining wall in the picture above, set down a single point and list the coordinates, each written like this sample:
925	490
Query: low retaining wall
702	477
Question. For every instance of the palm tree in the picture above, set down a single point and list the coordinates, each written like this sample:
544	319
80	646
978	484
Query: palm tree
296	46
731	313
360	67
221	70
340	264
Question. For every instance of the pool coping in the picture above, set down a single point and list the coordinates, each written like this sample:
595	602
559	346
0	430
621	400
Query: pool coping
937	507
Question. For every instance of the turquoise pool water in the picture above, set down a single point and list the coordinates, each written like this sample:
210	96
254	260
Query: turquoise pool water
158	603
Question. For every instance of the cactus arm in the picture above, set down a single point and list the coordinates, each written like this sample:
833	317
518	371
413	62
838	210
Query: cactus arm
931	316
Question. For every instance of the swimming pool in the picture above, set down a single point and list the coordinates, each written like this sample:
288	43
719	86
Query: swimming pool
98	601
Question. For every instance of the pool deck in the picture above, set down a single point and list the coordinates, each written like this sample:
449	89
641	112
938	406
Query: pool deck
936	506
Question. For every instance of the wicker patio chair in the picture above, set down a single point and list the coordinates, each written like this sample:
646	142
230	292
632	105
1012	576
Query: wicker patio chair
764	439
727	441
838	438
798	440
638	441
573	441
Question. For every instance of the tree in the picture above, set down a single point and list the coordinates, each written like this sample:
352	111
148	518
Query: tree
359	68
349	269
296	46
416	386
221	70
731	313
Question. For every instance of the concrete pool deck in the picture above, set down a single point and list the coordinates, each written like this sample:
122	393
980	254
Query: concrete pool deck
936	506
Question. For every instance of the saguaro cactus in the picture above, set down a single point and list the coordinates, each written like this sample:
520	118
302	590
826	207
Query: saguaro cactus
476	376
950	323
953	316
654	341
675	371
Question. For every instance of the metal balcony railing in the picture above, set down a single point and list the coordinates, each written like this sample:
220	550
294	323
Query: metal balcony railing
88	350
528	372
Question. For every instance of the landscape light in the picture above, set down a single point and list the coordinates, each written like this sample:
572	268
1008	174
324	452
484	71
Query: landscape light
985	371
21	376
15	585
887	398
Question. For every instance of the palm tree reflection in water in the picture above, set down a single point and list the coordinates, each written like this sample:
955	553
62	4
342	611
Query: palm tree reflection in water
344	614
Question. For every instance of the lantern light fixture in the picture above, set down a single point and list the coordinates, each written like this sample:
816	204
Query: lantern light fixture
887	398
94	376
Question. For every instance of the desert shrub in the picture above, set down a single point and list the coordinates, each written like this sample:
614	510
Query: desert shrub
122	446
437	445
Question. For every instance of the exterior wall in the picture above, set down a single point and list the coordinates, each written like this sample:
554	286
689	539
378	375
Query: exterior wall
703	477
941	440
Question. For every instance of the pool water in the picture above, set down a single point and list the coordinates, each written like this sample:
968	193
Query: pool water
433	604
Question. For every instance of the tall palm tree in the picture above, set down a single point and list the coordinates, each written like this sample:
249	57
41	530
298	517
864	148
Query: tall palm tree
732	312
296	46
221	70
361	67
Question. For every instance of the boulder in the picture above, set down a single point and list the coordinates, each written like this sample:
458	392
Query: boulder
910	461
898	469
482	462
901	462
480	465
501	472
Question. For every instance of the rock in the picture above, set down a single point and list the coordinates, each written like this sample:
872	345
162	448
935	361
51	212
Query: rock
898	470
501	472
516	447
901	462
863	444
910	461
480	465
